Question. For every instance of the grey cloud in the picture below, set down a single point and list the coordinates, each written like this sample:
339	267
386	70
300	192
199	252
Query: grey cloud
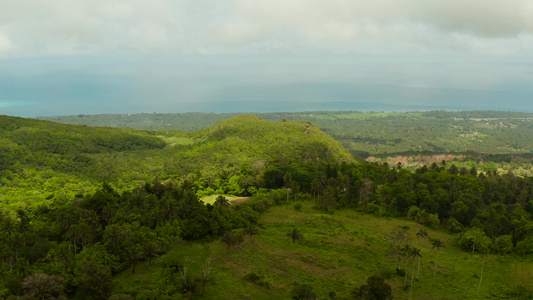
56	27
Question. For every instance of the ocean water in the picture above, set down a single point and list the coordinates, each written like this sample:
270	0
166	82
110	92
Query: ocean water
71	86
308	97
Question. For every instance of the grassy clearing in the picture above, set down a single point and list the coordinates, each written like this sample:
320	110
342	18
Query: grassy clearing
337	253
211	199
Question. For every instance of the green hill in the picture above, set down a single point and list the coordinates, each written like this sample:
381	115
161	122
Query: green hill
251	142
43	160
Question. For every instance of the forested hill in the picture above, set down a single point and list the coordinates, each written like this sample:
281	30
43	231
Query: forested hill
42	160
488	140
244	140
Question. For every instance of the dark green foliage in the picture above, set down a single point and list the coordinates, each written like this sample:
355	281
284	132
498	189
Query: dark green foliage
525	247
232	238
295	235
375	289
259	278
303	291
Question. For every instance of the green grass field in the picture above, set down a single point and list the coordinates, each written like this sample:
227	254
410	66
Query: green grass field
337	253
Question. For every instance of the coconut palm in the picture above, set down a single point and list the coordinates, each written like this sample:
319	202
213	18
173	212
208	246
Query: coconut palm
437	244
406	251
221	202
415	252
424	235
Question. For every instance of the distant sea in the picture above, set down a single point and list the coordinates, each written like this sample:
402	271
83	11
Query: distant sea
301	97
104	85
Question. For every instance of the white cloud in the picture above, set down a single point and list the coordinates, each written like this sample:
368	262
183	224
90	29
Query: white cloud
6	46
58	27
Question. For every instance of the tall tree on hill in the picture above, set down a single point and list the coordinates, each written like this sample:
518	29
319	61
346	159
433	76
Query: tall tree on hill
396	239
423	235
406	251
415	252
365	191
483	248
437	244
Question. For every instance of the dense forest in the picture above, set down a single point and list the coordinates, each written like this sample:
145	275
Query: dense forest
487	140
98	213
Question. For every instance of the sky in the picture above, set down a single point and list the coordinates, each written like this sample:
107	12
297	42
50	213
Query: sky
62	57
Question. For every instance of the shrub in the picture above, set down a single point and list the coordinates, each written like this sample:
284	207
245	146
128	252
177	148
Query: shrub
375	288
259	279
303	291
525	247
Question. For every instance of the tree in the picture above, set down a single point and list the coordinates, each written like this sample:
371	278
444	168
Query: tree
483	247
437	244
365	191
250	229
221	202
44	286
415	252
396	238
406	251
422	234
375	289
295	235
232	238
302	292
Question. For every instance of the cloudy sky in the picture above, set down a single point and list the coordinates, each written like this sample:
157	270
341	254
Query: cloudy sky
81	56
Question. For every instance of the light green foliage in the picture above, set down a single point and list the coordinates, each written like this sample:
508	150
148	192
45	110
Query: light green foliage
241	146
475	240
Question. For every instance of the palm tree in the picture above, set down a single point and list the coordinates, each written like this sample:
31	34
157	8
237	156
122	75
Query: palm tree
481	277
437	244
415	252
406	251
295	234
420	234
221	202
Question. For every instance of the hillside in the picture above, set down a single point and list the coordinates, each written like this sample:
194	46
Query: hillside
311	219
43	160
247	141
488	140
337	253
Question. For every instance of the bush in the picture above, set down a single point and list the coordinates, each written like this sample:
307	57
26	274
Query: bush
400	272
525	247
303	291
259	279
375	288
298	206
454	226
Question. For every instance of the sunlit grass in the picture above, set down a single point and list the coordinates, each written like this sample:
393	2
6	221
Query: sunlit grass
211	199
